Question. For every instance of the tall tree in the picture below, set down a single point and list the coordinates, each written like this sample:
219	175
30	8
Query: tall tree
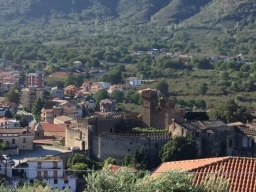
117	95
163	87
179	148
13	95
36	109
100	95
230	112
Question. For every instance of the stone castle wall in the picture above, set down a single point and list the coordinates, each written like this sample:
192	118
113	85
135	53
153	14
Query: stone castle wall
119	145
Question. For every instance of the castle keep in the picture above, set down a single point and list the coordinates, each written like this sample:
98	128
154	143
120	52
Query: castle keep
159	113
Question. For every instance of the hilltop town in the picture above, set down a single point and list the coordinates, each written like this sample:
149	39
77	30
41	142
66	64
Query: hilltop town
43	129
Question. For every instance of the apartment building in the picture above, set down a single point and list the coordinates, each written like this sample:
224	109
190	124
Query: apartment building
51	172
22	138
35	79
29	95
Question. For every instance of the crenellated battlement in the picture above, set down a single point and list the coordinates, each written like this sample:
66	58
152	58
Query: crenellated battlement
73	130
148	94
151	136
166	103
110	117
248	131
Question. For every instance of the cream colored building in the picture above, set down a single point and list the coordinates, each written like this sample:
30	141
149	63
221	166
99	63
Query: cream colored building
29	95
17	137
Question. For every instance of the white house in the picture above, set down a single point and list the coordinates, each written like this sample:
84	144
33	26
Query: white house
9	123
104	85
133	81
77	64
56	92
51	172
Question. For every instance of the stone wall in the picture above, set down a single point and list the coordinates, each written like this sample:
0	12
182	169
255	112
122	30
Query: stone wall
119	145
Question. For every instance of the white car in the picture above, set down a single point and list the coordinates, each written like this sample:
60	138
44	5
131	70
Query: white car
74	148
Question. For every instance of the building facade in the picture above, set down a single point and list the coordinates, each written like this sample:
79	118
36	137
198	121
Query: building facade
35	79
51	172
107	105
29	95
57	92
21	138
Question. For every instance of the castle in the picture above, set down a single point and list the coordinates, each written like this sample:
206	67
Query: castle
107	136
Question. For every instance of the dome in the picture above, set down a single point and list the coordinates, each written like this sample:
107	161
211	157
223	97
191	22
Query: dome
38	127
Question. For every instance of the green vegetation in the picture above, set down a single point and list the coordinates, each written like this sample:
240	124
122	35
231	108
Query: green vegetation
81	163
140	130
13	95
36	109
40	187
179	148
126	181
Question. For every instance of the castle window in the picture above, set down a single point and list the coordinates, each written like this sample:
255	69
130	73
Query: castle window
129	150
130	143
230	143
156	145
209	134
197	135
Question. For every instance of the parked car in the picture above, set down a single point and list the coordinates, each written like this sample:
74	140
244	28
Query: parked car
74	149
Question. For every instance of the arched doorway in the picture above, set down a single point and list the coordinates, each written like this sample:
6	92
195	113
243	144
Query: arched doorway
83	145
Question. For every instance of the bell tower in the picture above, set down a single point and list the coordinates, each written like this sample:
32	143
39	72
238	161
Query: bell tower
149	106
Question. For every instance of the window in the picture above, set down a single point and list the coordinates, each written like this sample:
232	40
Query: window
230	143
130	143
129	150
209	134
24	140
55	181
13	141
39	165
1	140
197	134
0	167
7	143
66	181
156	145
182	131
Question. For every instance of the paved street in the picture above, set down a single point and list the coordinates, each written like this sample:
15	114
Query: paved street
39	151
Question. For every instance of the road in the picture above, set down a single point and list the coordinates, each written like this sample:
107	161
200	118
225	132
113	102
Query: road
39	151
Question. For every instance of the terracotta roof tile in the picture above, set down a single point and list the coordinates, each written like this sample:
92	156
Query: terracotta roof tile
116	168
235	169
50	127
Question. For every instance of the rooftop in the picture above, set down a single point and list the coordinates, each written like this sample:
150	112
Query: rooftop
235	169
50	127
63	118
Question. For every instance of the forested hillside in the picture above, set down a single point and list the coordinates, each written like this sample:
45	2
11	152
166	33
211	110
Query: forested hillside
164	11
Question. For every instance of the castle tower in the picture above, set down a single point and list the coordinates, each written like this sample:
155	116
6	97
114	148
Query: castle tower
149	106
39	131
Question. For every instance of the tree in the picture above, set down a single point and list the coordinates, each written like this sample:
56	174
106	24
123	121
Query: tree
163	87
109	161
124	180
140	160
230	112
179	148
8	114
13	95
203	88
100	95
117	95
36	109
23	122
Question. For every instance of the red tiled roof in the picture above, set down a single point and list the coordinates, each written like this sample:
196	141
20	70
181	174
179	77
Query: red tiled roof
116	168
43	141
235	169
50	127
